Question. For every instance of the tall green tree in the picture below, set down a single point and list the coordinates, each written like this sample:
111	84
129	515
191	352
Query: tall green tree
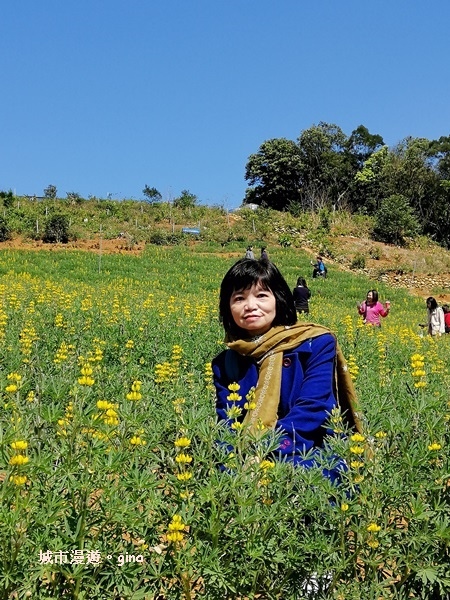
186	200
151	194
273	174
50	191
325	177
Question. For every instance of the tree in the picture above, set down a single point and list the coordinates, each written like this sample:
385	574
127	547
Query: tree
369	181
151	194
74	198
395	220
325	170
362	144
50	192
273	174
8	198
186	200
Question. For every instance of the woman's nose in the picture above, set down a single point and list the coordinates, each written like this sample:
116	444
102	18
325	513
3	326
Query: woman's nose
250	303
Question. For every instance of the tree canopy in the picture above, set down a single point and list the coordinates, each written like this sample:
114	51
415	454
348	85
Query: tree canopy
325	168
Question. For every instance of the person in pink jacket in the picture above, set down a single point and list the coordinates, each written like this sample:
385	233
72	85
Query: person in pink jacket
372	310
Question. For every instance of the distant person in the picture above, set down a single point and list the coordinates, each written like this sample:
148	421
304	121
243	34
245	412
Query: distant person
320	269
249	252
264	255
446	310
301	294
371	310
436	320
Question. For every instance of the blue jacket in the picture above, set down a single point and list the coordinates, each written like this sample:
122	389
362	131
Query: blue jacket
306	400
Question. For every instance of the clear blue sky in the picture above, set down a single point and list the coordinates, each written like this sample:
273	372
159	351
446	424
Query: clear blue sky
106	96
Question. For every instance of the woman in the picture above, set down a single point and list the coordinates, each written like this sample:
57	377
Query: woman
372	310
286	375
436	321
301	294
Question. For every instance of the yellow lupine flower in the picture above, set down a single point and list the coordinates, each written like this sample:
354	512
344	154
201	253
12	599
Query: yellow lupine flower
176	524
185	476
373	527
266	464
356	464
14	377
182	442
357	437
19	445
357	449
183	458
137	441
18	459
18	479
175	536
234	387
234	412
434	446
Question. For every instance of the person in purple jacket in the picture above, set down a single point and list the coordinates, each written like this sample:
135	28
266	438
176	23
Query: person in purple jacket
277	373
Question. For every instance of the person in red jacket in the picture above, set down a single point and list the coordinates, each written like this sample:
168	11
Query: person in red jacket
446	310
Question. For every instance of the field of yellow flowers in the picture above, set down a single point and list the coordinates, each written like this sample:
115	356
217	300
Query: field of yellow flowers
110	483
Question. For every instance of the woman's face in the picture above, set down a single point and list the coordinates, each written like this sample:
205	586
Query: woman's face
369	298
253	309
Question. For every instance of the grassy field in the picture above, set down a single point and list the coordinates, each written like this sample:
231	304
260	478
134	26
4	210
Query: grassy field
109	480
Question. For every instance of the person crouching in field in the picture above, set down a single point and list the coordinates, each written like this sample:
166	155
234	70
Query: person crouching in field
277	373
371	310
435	317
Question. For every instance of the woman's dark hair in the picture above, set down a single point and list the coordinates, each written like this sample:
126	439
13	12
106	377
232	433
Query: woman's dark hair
242	275
432	303
301	281
374	295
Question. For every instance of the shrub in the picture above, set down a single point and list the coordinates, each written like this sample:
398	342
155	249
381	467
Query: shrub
56	230
358	261
375	253
395	220
5	233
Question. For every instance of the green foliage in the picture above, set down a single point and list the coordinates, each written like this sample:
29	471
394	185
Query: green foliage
56	229
273	174
50	192
151	194
375	252
395	221
325	220
8	198
186	200
74	198
358	261
5	233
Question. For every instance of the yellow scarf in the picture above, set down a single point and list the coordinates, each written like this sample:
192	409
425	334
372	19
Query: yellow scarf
267	351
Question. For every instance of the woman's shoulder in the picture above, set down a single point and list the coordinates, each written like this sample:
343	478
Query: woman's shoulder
316	343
